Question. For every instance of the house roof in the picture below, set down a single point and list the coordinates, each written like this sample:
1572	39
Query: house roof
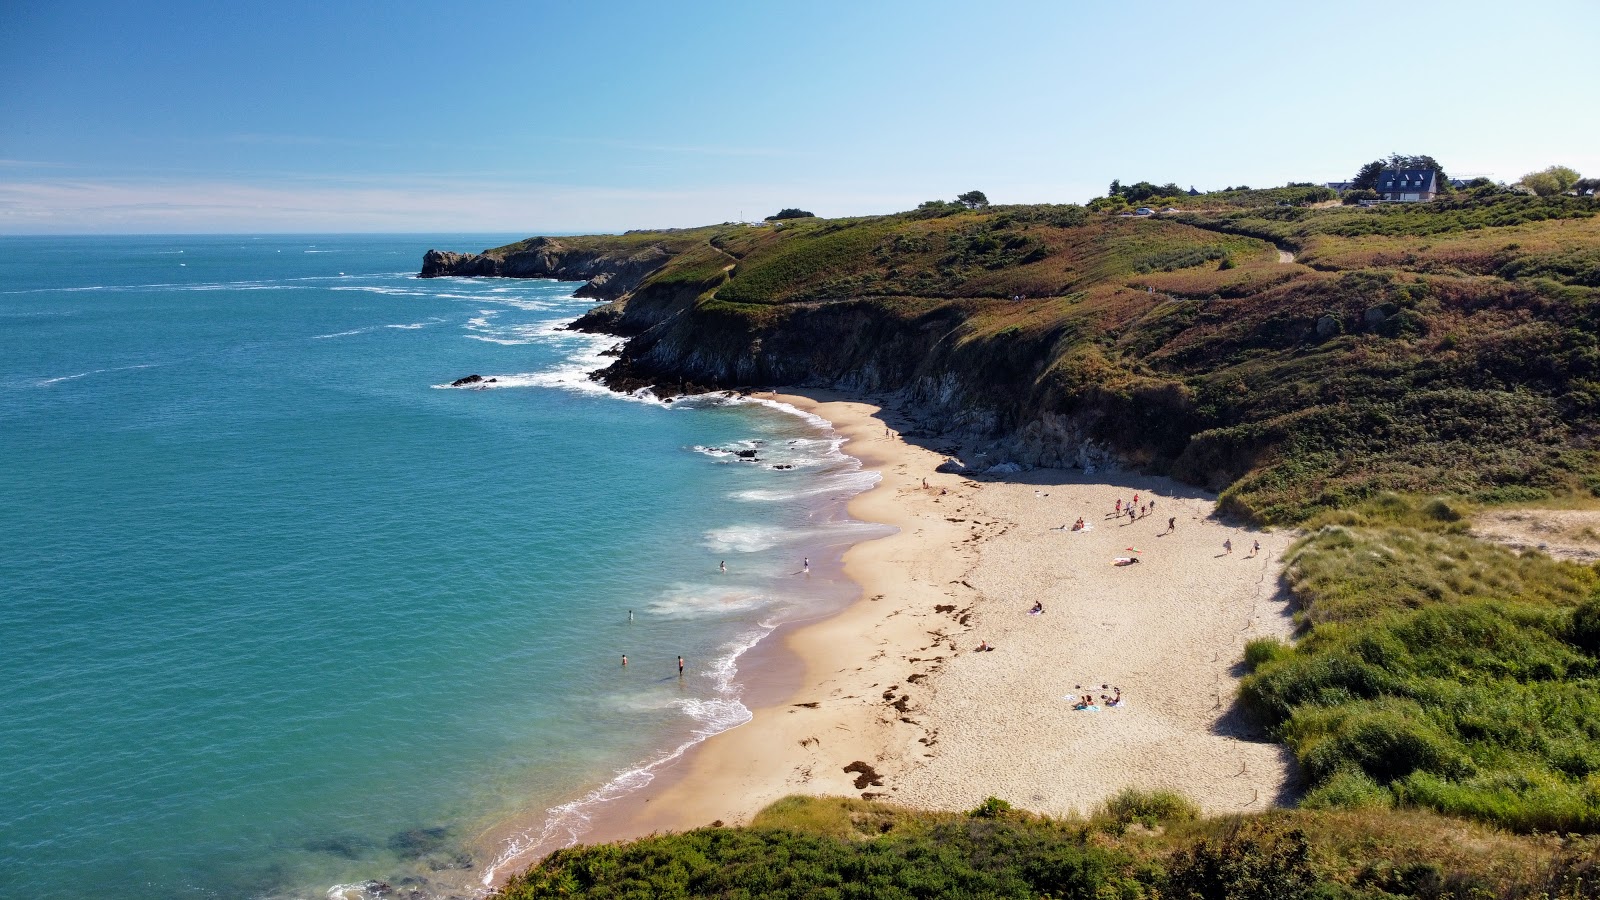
1407	180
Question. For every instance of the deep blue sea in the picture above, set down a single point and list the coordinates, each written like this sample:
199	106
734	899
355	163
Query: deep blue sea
283	611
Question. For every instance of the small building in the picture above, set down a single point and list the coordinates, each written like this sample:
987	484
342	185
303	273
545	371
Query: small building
1339	187
1408	185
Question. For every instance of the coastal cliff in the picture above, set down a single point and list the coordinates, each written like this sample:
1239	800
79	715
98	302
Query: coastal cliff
1184	345
607	273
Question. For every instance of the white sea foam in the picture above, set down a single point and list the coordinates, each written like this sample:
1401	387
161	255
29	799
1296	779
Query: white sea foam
323	337
693	601
379	289
745	538
843	484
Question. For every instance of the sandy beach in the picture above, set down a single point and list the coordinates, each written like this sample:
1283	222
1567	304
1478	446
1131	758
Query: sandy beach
897	702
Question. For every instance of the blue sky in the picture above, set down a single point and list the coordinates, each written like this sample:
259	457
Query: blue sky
572	116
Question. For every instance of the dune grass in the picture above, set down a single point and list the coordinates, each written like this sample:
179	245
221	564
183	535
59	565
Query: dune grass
1438	671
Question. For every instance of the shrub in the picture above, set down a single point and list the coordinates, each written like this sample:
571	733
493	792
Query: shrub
1349	790
1584	631
1261	651
992	808
1256	861
1148	808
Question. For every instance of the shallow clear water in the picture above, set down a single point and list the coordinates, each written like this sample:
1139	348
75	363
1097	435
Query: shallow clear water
283	610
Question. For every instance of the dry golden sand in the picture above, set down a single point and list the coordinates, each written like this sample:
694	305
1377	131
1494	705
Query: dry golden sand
895	680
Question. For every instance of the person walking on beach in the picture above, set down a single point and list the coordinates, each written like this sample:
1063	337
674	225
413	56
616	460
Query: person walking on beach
680	667
1256	548
1172	523
1227	545
1119	506
805	565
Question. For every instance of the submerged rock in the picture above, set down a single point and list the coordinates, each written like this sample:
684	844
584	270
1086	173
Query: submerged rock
418	842
347	846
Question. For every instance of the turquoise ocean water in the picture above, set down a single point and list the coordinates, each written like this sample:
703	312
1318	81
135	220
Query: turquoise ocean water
285	612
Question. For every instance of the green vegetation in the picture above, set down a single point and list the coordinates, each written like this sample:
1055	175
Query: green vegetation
1448	348
1438	671
845	848
790	213
1551	181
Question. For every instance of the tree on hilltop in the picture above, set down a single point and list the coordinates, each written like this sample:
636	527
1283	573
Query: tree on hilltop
1367	178
973	200
1551	181
791	213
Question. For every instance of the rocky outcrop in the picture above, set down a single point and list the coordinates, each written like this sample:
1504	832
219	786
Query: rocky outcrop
607	274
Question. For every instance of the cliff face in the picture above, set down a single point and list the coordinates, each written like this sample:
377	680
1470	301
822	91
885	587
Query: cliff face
979	393
607	273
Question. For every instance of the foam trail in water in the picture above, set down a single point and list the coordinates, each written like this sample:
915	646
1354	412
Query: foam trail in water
49	381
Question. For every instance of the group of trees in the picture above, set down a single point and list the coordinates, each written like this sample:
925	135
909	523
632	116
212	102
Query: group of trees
1144	190
1558	180
969	200
790	213
1367	177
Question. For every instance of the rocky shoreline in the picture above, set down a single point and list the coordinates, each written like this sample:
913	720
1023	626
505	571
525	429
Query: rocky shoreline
961	395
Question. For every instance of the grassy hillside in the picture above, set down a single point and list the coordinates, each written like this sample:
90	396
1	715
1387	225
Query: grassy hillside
1139	846
1427	348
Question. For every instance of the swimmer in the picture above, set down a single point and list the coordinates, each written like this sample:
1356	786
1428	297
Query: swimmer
624	660
723	566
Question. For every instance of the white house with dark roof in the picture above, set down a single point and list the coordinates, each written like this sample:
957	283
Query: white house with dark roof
1407	185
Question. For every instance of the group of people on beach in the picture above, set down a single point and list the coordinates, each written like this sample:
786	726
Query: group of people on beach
1133	510
1086	701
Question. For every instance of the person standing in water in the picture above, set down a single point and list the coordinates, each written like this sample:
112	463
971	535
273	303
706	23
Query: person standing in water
630	615
624	660
680	667
723	566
